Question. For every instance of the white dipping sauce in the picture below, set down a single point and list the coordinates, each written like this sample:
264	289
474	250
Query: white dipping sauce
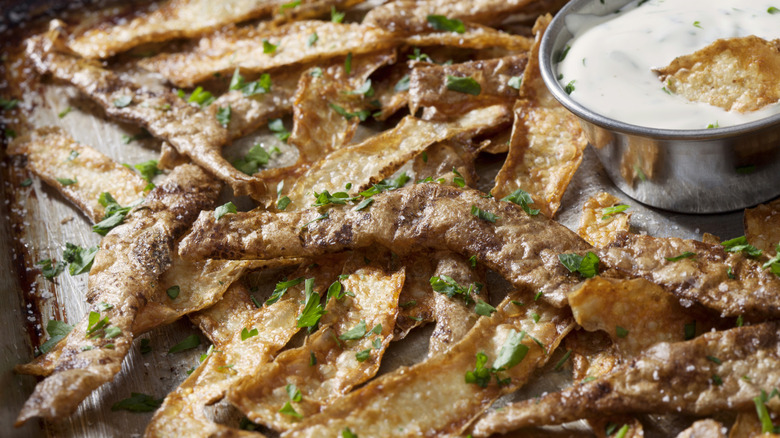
611	58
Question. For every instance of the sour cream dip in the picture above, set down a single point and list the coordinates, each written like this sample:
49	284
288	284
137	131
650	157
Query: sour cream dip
608	64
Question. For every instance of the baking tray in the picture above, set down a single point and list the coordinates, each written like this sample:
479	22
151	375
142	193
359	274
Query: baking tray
37	221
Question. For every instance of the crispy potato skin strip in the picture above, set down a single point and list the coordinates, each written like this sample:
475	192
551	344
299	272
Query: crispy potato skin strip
222	52
192	132
703	278
381	155
318	127
233	358
392	399
475	37
593	354
131	259
428	85
597	228
416	301
410	17
337	369
453	318
547	142
48	150
762	226
524	249
676	377
648	312
736	74
183	19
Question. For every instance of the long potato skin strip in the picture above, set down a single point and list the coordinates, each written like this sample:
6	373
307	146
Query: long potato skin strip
762	226
222	53
669	377
180	19
233	358
547	141
126	269
428	85
410	17
522	248
381	155
703	277
337	369
192	132
48	153
451	404
475	37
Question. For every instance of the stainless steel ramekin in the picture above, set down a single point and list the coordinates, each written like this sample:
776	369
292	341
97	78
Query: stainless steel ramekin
688	171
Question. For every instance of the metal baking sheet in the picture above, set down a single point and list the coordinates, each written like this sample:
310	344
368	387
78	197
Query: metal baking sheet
37	222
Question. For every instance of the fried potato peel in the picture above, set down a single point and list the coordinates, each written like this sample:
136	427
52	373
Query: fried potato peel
635	313
669	377
598	225
696	272
411	17
233	357
183	18
380	406
547	143
736	74
704	429
338	350
244	48
191	131
523	249
52	154
431	86
122	279
381	155
762	226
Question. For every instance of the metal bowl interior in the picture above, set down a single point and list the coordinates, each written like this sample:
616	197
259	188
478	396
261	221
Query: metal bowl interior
688	171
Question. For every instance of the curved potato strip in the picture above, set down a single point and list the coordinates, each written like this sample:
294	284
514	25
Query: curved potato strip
123	276
244	48
183	19
192	132
450	404
670	377
635	313
48	153
704	429
762	226
703	277
416	301
453	317
233	358
547	141
381	155
736	74
474	37
593	354
337	369
410	16
596	226
428	86
524	249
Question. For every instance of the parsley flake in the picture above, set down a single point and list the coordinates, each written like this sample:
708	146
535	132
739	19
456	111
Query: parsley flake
222	210
467	85
188	343
138	402
523	199
587	266
440	22
484	215
685	255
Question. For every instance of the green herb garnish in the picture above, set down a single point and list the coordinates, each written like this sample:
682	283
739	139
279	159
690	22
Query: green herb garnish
467	85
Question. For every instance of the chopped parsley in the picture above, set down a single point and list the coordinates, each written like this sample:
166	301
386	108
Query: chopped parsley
689	330
138	402
609	211
222	210
366	89
446	285
364	204
467	85
714	360
354	333
386	185
188	343
484	215
127	139
523	199
26	183
312	39
268	47
223	116
336	16
562	54
402	84
57	330
563	360
620	332
51	269
80	259
289	5
325	198
312	309
281	289
8	104
288	409
515	82
773	10
64	112
512	352
569	88
316	219
363	356
145	346
246	334
255	158
740	244
440	22
347	433
484	309
360	114
66	181
348	63
685	255
199	97
293	392
587	266
114	214
261	86
283	202
173	292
